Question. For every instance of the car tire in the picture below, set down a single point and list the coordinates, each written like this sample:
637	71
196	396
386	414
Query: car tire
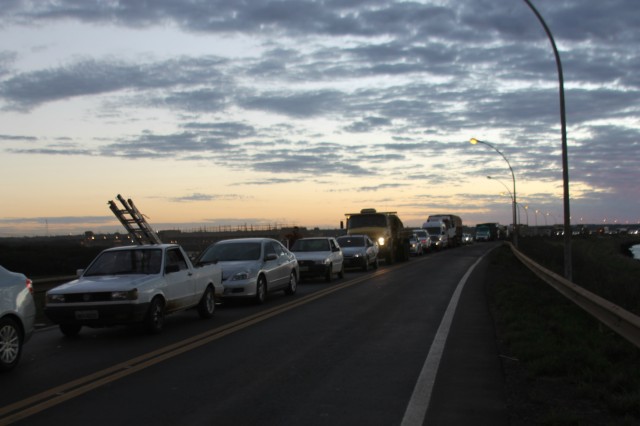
155	316
261	290
70	330
341	272
293	284
207	305
329	274
11	341
375	263
365	266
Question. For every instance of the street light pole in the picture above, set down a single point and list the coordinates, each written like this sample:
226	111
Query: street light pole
475	141
519	206
565	167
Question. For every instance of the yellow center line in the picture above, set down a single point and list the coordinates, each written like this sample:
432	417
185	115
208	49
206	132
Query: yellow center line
54	396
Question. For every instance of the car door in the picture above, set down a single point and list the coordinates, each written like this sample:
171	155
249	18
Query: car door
272	267
180	287
369	250
336	255
284	264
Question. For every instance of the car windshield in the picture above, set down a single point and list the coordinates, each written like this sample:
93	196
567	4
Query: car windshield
229	252
351	242
124	262
434	230
311	245
367	220
421	234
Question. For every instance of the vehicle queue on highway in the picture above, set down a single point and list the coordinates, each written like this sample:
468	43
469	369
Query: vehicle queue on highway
144	283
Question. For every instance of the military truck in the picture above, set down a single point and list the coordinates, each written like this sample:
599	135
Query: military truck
386	229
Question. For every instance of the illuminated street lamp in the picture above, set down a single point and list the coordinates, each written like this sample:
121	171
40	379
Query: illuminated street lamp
475	141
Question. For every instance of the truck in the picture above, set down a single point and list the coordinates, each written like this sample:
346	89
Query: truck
447	227
489	231
384	228
134	284
437	231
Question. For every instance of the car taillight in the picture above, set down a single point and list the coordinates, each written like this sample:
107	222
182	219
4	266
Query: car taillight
30	285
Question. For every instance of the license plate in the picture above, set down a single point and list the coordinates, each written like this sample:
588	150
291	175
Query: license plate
304	268
86	315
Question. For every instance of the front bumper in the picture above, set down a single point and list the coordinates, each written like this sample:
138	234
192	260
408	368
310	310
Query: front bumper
310	268
97	315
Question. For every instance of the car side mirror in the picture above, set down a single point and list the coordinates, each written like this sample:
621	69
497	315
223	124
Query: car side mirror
271	256
79	272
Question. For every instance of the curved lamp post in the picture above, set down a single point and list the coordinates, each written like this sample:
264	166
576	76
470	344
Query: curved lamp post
565	167
520	206
475	141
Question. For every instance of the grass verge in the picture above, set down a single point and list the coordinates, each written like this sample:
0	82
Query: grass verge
561	366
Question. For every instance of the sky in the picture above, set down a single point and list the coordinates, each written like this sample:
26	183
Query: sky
212	113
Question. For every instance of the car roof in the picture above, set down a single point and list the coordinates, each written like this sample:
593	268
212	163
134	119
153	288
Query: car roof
246	240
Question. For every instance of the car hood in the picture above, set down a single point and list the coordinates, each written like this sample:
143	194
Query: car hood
230	268
103	283
352	251
311	255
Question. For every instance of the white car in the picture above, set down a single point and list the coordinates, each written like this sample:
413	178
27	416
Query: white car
17	316
134	284
359	251
253	267
319	256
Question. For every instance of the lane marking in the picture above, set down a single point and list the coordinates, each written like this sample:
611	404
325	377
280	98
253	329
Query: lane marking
59	394
421	397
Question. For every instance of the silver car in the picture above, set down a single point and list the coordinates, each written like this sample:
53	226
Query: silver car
17	316
320	257
359	251
253	267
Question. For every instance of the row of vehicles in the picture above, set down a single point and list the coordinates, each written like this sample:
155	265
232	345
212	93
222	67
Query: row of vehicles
142	284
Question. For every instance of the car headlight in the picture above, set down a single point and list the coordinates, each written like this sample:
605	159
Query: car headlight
381	241
55	298
357	255
125	295
244	275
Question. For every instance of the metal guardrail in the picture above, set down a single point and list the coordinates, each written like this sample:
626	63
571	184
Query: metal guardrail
623	322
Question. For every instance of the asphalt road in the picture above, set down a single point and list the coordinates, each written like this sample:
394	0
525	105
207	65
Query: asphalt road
408	344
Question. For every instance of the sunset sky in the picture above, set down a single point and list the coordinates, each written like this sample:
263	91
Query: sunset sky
295	112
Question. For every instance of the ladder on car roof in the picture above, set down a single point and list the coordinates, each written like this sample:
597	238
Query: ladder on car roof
134	222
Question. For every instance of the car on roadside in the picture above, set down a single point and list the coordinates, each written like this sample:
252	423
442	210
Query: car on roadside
359	251
253	267
134	285
424	238
415	246
467	238
319	257
17	316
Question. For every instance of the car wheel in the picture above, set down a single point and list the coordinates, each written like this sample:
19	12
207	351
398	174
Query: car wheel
329	274
207	305
365	265
70	330
341	272
375	263
11	341
293	284
155	316
261	290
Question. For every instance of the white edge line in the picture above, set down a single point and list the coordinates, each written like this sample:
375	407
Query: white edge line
421	397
